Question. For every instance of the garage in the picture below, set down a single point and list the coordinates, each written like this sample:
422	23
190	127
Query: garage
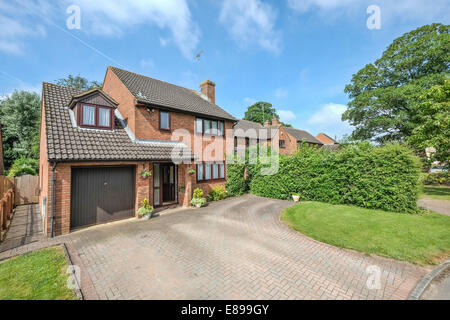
101	194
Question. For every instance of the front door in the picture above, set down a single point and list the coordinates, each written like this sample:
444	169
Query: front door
168	177
164	184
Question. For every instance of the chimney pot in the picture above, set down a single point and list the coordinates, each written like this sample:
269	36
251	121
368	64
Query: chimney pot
208	90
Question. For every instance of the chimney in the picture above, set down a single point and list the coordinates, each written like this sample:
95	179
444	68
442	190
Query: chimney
267	123
275	122
208	90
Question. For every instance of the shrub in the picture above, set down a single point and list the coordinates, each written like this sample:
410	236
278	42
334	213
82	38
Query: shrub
200	201
236	184
386	177
198	193
145	209
23	166
217	193
437	178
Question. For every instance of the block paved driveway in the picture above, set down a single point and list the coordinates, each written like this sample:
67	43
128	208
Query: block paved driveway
233	249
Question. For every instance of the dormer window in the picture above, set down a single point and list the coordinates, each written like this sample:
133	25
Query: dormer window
94	109
93	116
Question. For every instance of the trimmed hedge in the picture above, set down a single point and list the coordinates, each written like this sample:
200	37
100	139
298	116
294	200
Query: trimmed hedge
236	185
386	177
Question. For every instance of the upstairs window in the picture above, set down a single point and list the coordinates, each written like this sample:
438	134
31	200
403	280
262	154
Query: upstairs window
211	127
164	120
93	116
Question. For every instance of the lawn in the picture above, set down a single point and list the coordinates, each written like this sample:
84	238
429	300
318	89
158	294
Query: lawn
38	275
441	193
418	238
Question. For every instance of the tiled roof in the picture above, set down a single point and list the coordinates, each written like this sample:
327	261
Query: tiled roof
301	135
246	125
66	142
155	92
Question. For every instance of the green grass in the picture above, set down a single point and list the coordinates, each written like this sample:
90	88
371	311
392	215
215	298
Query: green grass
441	193
418	238
38	275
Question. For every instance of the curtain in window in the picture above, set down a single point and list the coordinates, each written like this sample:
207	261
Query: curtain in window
200	172
222	171
207	171
103	117
89	115
165	120
199	125
215	171
221	128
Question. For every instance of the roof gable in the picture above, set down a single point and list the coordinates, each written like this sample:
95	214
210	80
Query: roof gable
95	96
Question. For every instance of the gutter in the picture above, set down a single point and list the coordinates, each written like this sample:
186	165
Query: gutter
52	205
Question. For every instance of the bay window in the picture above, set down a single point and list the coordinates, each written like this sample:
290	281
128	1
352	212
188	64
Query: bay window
210	171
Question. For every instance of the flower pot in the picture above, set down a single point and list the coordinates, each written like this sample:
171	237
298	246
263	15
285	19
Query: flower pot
198	205
296	198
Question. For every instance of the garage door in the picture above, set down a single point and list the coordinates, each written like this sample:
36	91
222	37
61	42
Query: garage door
101	194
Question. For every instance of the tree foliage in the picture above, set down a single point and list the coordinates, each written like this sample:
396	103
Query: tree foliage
78	83
385	95
261	112
20	119
434	122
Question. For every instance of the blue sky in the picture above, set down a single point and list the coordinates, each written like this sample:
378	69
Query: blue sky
296	54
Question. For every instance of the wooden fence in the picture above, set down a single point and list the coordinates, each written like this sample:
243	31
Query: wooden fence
6	202
26	190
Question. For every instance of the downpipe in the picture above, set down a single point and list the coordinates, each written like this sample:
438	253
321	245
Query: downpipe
52	215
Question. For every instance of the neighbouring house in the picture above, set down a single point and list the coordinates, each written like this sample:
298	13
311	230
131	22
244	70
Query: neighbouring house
103	151
328	142
284	139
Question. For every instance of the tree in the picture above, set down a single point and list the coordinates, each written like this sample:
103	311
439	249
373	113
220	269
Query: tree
79	83
20	117
261	112
385	95
434	119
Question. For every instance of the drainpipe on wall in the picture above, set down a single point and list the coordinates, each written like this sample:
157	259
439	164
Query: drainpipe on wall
52	216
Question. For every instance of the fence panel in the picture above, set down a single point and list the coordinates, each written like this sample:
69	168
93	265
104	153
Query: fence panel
26	190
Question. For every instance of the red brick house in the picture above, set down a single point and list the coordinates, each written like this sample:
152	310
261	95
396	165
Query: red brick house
284	139
96	145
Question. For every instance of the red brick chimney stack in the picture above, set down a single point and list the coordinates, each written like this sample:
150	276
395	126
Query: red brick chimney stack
275	122
209	90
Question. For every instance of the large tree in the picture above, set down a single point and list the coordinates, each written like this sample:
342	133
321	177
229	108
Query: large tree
434	119
78	83
20	117
385	95
261	112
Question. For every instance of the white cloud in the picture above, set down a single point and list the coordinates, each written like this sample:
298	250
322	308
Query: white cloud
328	119
111	18
281	93
286	115
399	9
249	101
15	28
251	22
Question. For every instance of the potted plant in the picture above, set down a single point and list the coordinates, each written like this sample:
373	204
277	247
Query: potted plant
191	171
146	174
197	198
296	197
146	210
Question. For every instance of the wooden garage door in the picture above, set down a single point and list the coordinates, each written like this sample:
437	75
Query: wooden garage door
101	194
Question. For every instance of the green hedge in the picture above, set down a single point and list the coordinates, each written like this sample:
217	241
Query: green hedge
236	184
23	166
437	178
386	177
